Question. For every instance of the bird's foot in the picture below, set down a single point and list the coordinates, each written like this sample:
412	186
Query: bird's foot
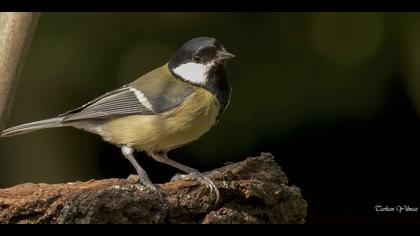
146	185
197	176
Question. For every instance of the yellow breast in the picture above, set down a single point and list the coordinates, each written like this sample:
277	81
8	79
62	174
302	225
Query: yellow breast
169	130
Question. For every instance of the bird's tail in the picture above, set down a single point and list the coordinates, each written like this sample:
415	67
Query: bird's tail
33	126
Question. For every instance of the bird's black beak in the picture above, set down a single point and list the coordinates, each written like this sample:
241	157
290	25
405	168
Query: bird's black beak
224	55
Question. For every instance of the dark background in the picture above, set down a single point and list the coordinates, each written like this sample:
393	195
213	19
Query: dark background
335	97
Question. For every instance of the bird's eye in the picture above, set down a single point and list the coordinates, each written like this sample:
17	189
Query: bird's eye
197	59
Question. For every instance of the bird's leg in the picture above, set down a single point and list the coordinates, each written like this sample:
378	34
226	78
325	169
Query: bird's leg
193	174
143	178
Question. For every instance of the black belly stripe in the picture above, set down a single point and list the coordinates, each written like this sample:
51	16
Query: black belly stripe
219	85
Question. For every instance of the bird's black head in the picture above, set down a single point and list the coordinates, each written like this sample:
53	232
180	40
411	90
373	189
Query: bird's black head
196	58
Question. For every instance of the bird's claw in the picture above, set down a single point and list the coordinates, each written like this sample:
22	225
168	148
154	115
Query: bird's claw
154	190
143	185
202	180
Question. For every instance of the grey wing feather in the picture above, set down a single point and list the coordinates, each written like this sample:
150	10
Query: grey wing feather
160	90
118	102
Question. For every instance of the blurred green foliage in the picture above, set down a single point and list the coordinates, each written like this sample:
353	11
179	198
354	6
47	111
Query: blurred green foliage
291	69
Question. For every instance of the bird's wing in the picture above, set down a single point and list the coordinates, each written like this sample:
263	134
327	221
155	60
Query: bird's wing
153	93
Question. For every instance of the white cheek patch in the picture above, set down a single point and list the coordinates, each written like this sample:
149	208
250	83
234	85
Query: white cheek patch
193	72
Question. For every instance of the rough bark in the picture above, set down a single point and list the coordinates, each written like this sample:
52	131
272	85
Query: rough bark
16	29
252	191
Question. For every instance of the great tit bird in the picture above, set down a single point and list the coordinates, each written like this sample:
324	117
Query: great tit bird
166	108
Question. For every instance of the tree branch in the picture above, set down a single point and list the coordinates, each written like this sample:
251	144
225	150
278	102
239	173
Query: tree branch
16	31
252	191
